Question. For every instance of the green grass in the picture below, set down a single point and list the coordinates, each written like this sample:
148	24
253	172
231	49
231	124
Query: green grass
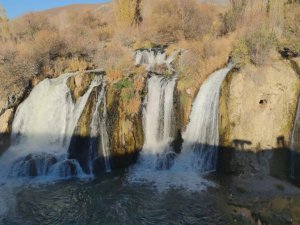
125	83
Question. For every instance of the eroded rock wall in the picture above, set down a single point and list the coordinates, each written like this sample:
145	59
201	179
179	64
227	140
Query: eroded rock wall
258	106
257	112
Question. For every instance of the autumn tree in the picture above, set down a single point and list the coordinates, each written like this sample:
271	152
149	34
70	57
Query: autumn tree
128	12
3	24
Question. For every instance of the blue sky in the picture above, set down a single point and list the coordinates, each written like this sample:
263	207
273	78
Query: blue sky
15	8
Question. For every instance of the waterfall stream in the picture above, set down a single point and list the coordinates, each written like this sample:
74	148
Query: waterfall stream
154	57
42	129
158	113
201	138
99	137
295	146
158	123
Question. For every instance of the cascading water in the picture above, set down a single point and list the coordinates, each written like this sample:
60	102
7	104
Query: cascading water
99	137
41	132
295	146
157	122
153	57
158	112
201	138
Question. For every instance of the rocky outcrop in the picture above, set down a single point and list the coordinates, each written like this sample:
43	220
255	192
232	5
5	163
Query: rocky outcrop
125	125
257	111
10	98
5	128
258	106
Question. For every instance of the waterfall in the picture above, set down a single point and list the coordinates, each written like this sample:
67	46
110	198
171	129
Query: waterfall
42	129
295	146
153	57
99	131
158	113
201	138
157	121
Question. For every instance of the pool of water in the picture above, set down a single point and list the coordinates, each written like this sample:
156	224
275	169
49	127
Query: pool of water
109	200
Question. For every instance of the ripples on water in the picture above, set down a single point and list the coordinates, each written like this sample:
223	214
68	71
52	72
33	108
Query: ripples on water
110	200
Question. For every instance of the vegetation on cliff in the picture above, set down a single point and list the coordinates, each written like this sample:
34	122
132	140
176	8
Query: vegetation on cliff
38	44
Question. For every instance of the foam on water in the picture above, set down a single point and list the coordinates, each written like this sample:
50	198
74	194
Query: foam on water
201	138
42	129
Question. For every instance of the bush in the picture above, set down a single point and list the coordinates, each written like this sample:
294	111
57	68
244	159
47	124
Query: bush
240	54
125	83
260	43
171	21
291	32
256	46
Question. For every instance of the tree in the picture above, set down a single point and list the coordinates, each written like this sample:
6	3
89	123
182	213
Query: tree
3	24
128	12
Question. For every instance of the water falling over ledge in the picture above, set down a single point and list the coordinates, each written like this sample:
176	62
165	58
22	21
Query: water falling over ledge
201	138
42	130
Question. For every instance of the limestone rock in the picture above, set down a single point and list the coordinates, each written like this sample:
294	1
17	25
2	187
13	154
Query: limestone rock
258	107
6	120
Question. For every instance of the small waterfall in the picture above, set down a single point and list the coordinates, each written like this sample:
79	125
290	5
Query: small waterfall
99	136
153	57
201	137
157	121
158	113
295	146
42	129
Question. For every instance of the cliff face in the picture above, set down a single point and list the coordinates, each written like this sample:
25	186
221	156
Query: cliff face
125	127
258	106
257	112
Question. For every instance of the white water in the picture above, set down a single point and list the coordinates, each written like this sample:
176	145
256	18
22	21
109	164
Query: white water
157	120
158	131
295	145
41	132
201	138
158	113
195	158
153	57
99	131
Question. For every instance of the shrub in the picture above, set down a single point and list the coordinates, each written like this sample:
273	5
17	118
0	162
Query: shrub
291	32
171	21
260	43
232	17
242	13
26	27
256	46
240	54
125	83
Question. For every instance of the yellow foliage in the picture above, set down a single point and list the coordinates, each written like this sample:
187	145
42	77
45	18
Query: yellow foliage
113	75
127	12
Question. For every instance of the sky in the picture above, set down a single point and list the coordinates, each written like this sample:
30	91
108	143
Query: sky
15	8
